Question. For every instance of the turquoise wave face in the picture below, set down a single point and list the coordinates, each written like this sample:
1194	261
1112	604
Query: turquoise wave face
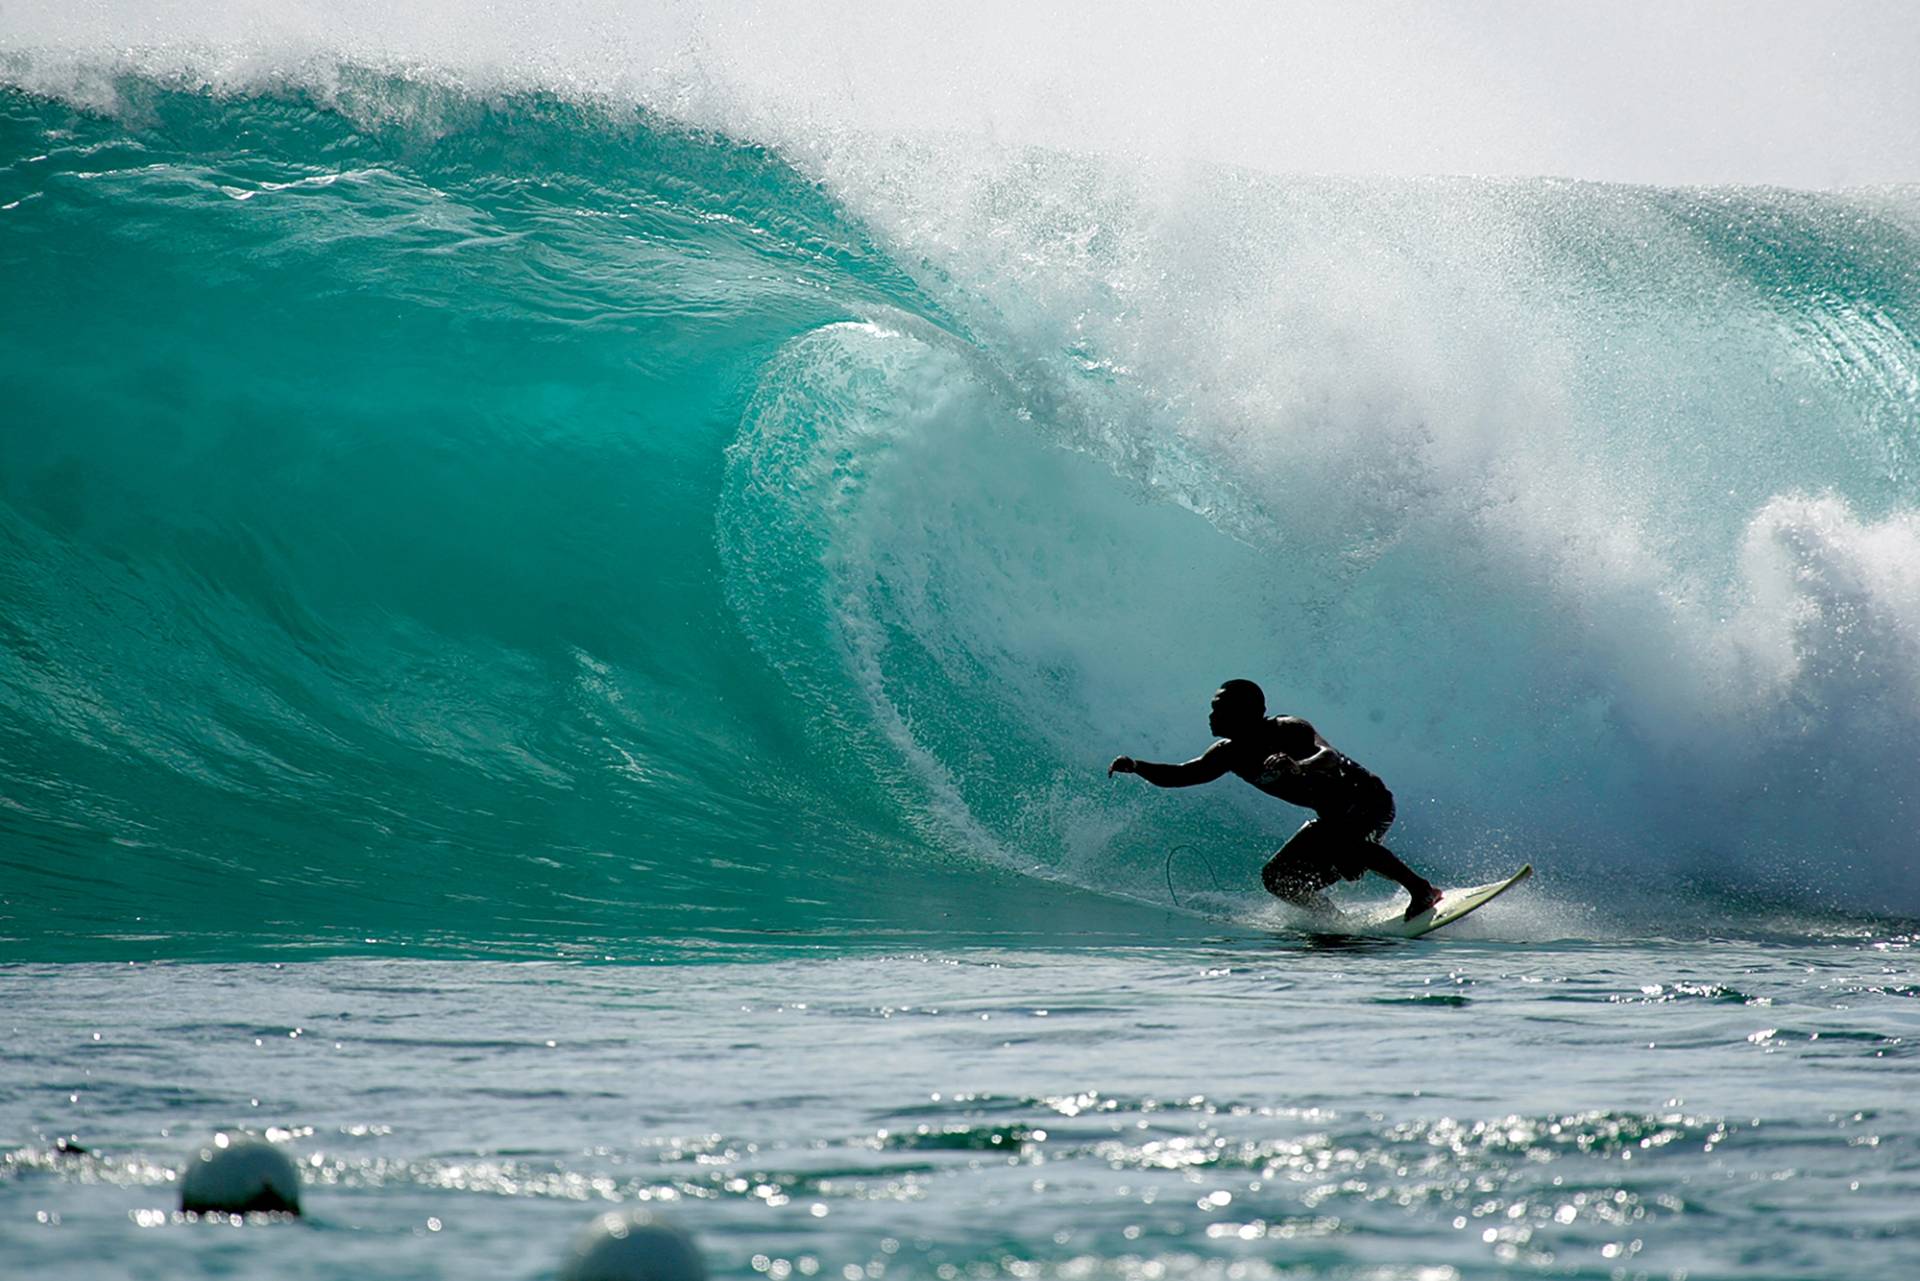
359	565
470	523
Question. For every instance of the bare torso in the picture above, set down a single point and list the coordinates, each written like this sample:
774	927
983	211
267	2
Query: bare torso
1328	781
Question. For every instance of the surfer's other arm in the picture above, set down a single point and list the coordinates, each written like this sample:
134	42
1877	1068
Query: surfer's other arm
1204	768
1321	761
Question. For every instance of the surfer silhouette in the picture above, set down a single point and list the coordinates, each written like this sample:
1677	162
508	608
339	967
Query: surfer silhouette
1284	756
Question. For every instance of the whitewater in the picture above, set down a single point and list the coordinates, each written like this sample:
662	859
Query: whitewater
562	621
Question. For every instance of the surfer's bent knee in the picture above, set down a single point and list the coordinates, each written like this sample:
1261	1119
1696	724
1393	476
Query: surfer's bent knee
1298	869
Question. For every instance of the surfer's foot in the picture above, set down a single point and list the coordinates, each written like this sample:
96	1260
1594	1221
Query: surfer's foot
1423	901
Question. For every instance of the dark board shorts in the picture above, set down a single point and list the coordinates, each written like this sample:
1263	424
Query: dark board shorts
1328	848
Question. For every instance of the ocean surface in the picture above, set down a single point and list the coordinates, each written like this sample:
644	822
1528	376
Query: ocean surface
559	651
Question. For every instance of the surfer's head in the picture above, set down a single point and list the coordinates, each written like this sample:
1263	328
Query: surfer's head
1238	706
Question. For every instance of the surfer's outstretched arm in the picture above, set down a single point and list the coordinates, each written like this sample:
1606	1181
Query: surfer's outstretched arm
1204	768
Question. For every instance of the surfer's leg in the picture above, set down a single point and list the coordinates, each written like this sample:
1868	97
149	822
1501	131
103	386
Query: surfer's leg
1302	867
1376	857
1364	853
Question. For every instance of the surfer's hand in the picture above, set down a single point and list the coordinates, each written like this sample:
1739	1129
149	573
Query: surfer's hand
1122	765
1281	763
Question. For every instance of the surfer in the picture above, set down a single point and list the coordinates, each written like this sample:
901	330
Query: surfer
1284	756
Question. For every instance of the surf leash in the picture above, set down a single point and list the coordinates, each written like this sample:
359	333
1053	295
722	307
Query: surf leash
1204	860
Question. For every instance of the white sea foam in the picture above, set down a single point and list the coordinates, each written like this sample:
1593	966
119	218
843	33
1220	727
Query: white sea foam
1526	537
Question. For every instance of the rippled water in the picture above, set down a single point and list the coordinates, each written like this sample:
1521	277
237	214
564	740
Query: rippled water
1238	1108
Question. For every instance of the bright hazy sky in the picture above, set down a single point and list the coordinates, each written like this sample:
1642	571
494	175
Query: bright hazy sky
1701	91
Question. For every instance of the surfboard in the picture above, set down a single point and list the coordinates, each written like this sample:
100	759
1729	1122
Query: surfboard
1388	922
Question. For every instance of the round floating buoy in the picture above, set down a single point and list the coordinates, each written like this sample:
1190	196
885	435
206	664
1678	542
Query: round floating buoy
235	1174
633	1245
